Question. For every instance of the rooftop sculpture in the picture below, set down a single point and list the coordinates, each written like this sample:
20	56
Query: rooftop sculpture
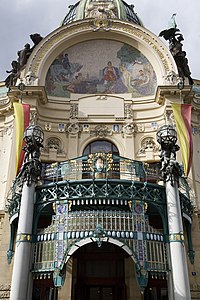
20	63
175	38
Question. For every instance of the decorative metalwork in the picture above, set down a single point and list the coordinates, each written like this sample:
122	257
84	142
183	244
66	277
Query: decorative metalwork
99	234
176	237
146	244
71	15
23	237
31	168
14	197
167	138
128	177
131	15
100	162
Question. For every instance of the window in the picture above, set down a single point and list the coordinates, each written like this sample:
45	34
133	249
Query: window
101	146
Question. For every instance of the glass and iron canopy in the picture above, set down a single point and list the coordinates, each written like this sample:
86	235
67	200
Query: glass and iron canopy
112	9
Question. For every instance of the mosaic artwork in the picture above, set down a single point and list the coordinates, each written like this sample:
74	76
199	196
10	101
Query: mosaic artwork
101	66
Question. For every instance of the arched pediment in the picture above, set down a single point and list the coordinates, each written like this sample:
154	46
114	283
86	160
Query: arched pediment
120	58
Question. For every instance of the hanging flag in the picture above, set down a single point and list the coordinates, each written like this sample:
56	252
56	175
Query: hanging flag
22	119
182	116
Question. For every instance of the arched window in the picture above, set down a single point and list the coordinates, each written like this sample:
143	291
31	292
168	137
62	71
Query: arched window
101	146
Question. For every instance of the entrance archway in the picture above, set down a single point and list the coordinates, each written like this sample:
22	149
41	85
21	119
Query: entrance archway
99	273
103	273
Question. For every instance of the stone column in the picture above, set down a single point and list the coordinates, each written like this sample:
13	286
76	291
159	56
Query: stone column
29	174
171	171
22	263
179	270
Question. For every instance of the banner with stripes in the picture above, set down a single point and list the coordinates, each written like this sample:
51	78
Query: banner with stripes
22	119
182	115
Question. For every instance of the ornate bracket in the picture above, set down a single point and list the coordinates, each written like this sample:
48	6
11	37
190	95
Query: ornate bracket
99	234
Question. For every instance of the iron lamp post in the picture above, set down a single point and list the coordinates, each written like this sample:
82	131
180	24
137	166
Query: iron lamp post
171	170
30	172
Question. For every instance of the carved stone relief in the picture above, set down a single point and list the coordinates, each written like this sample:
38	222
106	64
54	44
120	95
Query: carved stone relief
73	111
101	131
97	24
53	143
9	130
148	143
129	129
171	78
47	126
169	116
5	291
128	111
29	80
73	128
33	119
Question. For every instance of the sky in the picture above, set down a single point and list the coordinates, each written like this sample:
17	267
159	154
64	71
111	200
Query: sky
20	18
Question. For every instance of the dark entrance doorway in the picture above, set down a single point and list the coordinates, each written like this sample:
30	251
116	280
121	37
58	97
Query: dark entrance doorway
99	273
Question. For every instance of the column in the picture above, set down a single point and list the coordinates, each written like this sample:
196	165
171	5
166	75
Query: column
29	174
179	270
22	263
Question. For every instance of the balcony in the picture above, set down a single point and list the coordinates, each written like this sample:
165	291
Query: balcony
100	198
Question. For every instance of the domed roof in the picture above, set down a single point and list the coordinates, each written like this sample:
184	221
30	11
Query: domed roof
101	9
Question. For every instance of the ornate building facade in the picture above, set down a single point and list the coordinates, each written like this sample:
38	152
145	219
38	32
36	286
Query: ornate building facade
100	86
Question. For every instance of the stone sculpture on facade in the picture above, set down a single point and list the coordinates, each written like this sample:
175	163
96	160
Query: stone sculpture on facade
175	38
14	74
101	131
20	63
23	55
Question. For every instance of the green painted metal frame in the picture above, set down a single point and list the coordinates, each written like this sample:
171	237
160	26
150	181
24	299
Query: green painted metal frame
77	192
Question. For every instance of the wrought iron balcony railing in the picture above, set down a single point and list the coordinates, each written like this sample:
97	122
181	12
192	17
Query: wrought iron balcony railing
96	166
95	171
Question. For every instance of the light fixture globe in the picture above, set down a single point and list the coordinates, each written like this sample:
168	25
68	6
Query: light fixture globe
34	133
166	135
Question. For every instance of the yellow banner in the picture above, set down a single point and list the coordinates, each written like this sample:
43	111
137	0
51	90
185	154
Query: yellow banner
19	121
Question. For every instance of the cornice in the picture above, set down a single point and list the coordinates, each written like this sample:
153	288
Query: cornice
28	93
172	93
81	28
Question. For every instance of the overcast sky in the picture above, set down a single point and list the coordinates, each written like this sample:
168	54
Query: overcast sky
20	18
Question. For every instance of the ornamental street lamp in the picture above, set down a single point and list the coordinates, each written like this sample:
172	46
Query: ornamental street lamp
171	170
30	173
